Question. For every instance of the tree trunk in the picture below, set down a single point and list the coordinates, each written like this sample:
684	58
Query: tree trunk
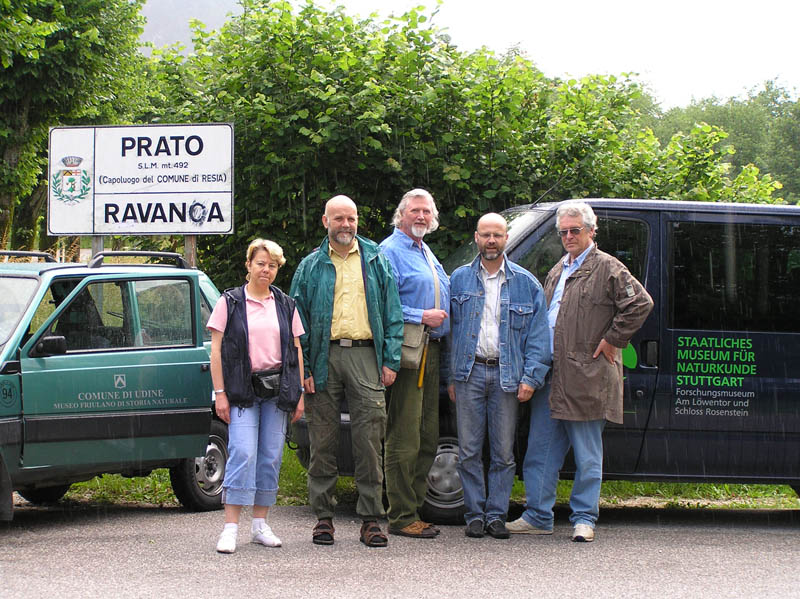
17	120
23	233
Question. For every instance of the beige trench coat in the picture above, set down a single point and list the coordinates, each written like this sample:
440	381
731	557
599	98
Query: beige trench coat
602	300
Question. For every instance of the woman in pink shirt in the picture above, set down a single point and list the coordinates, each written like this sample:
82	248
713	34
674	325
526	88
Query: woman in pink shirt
257	370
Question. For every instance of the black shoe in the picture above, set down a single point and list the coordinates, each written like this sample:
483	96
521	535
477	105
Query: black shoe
474	529
497	530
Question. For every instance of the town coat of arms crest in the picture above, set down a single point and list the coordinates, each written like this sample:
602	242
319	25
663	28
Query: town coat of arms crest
71	184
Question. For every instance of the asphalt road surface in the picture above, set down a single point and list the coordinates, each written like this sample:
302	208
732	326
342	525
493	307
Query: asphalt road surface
91	551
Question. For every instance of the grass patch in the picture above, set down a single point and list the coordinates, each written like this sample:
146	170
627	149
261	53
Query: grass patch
115	488
156	489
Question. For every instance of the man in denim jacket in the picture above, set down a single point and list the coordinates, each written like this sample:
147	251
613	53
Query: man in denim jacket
500	356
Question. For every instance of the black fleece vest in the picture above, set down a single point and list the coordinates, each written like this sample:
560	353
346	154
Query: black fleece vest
236	367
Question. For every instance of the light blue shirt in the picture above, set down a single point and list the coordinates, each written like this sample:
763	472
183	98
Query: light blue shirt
558	292
415	280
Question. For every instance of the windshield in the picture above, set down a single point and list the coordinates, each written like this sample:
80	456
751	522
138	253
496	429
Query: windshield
15	295
520	223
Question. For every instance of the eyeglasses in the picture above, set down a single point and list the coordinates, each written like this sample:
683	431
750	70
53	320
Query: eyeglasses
574	231
492	235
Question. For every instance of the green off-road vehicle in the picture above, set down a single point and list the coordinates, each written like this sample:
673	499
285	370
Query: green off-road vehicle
105	369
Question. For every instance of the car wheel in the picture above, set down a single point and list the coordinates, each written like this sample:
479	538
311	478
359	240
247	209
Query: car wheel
43	495
444	501
197	482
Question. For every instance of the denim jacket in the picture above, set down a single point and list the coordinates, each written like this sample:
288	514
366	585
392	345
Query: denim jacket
524	334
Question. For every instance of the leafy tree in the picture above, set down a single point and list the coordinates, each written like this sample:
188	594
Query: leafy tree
323	103
762	128
63	62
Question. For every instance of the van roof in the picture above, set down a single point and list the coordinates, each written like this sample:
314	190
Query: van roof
675	206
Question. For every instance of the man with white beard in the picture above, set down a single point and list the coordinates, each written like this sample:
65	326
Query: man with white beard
412	427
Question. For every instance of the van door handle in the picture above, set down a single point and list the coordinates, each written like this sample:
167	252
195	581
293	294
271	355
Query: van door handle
204	367
639	395
651	353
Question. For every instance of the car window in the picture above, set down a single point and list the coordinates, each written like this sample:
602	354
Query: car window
520	222
98	318
15	295
625	239
165	312
734	276
205	314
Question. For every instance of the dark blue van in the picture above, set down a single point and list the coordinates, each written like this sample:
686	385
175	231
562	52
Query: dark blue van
712	379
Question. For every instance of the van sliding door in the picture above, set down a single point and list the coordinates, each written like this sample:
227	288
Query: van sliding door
728	400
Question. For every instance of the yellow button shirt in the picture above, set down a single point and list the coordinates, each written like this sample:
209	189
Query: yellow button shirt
350	316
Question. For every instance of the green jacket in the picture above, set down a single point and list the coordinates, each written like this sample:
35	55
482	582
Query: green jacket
312	289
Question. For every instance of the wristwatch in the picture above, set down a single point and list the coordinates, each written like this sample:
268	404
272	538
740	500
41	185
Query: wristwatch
218	391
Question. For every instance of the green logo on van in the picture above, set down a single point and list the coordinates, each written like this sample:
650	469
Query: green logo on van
629	357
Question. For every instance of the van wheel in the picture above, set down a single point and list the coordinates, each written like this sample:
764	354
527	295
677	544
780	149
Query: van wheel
444	501
44	495
197	482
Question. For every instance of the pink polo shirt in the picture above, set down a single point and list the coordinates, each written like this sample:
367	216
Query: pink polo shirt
263	329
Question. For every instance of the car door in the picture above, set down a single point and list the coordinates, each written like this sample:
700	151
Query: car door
632	237
133	385
727	403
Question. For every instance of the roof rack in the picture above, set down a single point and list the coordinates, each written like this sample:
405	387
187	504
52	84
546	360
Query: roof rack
25	254
97	259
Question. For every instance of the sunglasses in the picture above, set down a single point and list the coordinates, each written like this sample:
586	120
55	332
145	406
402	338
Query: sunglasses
574	231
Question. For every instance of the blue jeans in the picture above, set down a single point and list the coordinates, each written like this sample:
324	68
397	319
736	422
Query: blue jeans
256	436
549	441
481	405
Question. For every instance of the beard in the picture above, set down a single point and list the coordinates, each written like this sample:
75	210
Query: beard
344	237
419	231
491	254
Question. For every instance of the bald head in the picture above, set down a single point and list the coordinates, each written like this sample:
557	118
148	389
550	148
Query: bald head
491	235
341	221
337	202
492	218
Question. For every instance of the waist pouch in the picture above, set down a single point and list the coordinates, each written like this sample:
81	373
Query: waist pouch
266	383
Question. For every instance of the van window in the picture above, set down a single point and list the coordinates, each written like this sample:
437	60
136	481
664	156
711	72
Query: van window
625	239
734	276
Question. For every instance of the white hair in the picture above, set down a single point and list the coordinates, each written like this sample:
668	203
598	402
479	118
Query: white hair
416	193
574	209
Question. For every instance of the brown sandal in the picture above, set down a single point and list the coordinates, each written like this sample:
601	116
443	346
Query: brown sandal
323	532
372	535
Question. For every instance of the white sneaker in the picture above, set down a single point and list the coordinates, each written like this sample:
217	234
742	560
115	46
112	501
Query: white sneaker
227	541
264	536
521	527
583	533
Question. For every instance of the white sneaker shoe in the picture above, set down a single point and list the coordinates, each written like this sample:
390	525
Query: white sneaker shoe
583	533
521	527
263	535
227	541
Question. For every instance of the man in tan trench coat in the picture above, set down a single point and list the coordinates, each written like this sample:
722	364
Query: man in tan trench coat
595	306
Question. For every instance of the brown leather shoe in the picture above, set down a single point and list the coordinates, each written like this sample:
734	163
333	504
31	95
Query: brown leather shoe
415	530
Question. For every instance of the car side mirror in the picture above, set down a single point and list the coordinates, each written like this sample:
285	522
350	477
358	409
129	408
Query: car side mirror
50	345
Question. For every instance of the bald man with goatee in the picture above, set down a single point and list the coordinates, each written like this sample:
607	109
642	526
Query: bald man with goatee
500	356
348	301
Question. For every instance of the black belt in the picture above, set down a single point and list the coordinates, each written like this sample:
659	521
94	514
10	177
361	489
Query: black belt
352	342
487	361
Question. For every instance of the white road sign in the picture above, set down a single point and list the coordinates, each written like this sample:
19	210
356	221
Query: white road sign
141	180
